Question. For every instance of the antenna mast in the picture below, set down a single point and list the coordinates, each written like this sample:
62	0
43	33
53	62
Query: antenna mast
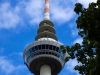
46	10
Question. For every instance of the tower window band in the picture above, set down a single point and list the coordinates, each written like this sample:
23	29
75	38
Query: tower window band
42	47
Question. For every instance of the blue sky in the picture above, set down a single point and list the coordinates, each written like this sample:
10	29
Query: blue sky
19	20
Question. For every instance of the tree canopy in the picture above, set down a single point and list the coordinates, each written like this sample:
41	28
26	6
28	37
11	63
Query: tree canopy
87	53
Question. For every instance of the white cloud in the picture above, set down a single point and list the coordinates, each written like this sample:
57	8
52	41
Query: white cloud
71	64
61	11
6	67
86	2
69	68
79	40
34	9
73	28
16	54
12	66
74	32
8	16
62	15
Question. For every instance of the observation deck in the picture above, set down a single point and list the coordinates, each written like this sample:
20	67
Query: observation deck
44	51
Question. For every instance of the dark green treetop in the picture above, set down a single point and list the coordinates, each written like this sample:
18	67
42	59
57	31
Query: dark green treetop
87	53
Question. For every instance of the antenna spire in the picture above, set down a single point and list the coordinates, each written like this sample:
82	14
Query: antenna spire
46	10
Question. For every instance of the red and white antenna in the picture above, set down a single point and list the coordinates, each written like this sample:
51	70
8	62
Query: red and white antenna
46	10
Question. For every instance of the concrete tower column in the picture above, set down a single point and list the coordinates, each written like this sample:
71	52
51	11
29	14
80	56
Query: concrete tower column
44	56
45	70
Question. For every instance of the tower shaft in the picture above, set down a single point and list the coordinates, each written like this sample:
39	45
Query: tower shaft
45	70
44	56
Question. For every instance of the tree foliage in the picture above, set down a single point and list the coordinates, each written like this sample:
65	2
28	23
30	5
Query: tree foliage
88	54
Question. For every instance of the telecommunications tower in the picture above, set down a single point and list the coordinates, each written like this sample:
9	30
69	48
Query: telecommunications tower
44	56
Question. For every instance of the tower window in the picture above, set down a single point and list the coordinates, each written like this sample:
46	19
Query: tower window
60	51
30	51
54	47
46	52
50	53
39	47
36	47
43	52
37	53
47	46
57	49
40	52
43	46
33	49
50	47
53	54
